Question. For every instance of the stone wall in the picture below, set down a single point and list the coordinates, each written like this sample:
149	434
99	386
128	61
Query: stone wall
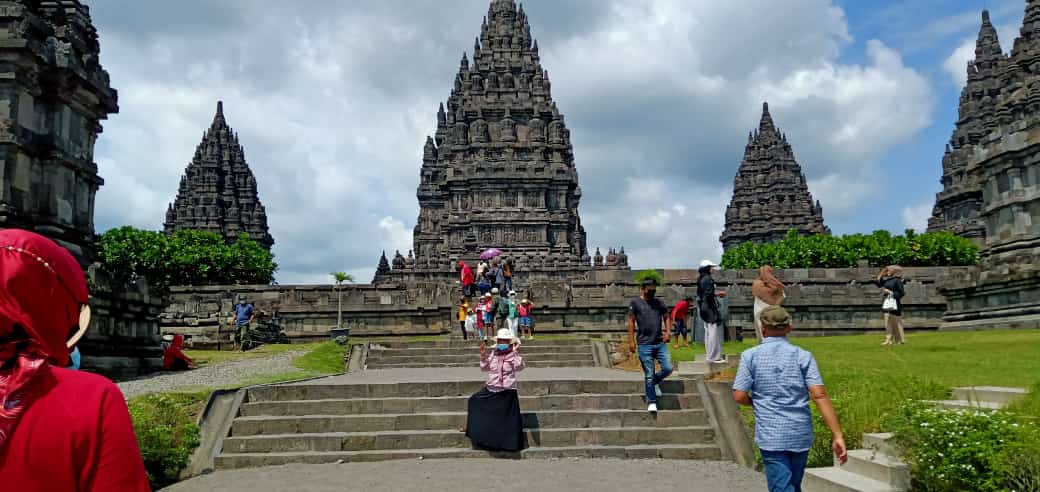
822	301
123	340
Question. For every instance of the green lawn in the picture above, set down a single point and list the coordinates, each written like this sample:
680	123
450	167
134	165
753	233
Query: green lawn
867	381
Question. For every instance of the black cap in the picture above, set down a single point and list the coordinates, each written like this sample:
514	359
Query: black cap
649	282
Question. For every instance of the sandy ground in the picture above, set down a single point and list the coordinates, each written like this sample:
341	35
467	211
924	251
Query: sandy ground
563	475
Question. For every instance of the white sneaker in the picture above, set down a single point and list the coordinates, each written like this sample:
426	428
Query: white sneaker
652	408
657	390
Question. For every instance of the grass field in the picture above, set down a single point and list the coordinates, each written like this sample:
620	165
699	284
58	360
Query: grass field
867	381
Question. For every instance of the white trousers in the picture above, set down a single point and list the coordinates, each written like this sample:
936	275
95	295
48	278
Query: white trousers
712	341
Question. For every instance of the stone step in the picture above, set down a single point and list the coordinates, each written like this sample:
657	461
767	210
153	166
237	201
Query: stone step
426	439
879	466
476	343
471	358
989	394
528	403
880	441
965	405
318	391
311	424
664	451
534	363
834	479
475	351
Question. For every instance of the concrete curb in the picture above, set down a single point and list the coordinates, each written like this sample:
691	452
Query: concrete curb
730	432
358	358
601	354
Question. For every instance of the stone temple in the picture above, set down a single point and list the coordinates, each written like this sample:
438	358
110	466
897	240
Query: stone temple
958	205
770	195
218	191
996	159
500	171
54	93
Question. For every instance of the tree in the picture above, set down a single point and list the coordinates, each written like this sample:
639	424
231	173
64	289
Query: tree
183	258
340	278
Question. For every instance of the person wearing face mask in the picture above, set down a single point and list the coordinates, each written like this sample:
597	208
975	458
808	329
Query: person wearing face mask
651	317
60	430
244	315
493	420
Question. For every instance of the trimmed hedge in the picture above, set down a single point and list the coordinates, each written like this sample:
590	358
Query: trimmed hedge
166	434
880	249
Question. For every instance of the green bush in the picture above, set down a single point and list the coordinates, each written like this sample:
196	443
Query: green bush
645	274
184	258
967	450
879	249
166	435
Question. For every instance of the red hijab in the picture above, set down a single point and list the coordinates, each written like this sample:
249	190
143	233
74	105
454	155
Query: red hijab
175	352
42	289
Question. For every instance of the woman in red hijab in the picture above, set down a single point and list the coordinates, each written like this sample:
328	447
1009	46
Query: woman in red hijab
60	430
174	358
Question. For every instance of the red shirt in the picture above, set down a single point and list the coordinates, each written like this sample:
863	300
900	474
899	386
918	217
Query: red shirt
76	437
466	275
680	310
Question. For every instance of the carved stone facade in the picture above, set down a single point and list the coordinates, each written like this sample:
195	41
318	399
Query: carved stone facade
1005	163
53	95
770	195
500	172
218	190
958	205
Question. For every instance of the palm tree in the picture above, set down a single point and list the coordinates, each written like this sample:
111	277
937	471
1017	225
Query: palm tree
340	278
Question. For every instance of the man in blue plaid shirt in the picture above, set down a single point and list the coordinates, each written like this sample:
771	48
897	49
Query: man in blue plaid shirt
778	379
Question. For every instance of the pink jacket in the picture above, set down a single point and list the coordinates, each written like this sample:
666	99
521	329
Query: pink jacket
501	369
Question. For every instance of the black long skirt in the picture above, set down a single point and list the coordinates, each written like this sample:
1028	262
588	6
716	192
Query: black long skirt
494	422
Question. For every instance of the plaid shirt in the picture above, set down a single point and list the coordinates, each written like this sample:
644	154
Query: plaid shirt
778	376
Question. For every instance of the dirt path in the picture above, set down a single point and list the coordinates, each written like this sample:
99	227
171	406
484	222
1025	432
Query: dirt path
564	475
213	376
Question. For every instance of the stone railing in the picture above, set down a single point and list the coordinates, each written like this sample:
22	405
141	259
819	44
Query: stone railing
822	302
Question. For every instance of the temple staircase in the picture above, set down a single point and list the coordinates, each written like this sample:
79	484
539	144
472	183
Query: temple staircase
337	423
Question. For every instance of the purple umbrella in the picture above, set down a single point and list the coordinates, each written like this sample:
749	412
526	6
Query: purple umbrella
491	253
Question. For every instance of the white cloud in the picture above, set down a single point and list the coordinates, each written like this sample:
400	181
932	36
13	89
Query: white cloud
916	216
333	100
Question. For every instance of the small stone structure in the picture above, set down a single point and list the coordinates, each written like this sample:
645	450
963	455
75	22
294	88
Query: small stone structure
770	195
1002	158
54	94
822	301
499	172
218	190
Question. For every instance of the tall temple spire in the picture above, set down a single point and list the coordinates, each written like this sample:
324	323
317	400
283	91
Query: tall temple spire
770	194
501	152
218	191
988	53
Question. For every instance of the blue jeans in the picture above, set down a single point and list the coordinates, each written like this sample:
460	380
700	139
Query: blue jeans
647	355
784	469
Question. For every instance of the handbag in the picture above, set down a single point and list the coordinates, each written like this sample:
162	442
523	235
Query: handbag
890	304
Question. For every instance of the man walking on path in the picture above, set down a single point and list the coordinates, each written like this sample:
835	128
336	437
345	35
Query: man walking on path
244	314
778	379
654	330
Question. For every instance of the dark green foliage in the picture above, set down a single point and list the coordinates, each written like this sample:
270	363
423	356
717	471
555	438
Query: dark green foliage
967	450
645	274
166	435
184	258
879	249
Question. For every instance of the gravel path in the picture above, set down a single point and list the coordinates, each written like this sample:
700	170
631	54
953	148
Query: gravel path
564	475
213	376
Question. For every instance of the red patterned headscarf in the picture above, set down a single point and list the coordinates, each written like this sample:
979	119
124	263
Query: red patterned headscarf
42	289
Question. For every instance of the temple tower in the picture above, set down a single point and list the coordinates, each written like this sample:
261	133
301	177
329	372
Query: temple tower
958	205
770	195
500	172
1003	161
53	95
218	191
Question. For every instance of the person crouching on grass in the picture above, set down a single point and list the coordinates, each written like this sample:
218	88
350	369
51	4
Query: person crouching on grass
493	420
778	379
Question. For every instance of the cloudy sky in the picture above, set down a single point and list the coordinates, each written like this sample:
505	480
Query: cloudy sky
333	100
